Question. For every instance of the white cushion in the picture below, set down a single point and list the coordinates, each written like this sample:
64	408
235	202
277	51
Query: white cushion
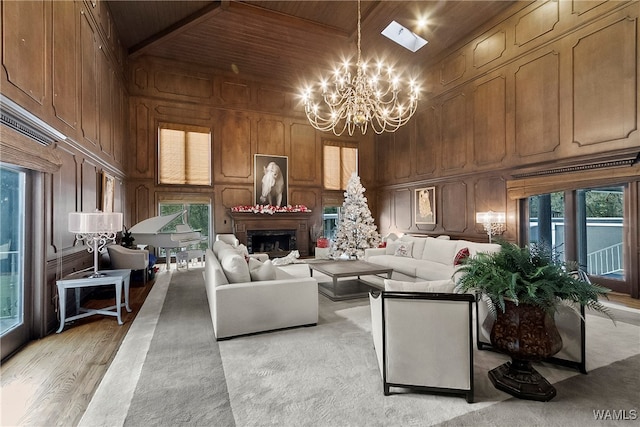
261	270
234	265
219	245
439	250
475	248
404	249
443	237
443	286
418	245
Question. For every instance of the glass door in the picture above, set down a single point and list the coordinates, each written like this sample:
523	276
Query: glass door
14	313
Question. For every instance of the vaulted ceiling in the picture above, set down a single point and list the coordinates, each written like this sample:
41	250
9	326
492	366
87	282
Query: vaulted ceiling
291	42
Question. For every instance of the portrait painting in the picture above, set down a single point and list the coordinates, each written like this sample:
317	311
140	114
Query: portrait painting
270	183
108	192
425	205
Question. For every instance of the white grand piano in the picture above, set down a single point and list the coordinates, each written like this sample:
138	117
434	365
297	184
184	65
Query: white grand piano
147	232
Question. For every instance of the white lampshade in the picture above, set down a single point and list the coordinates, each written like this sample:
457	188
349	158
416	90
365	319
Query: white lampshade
95	222
490	217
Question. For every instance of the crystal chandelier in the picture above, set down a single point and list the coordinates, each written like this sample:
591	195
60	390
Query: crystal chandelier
371	97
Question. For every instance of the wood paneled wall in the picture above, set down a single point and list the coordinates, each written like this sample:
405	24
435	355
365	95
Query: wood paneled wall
545	86
246	116
62	62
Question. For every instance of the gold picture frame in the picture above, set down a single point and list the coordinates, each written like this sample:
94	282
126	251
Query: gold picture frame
425	205
108	192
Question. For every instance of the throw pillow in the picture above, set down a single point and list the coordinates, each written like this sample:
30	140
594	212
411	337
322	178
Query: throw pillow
460	256
261	270
403	249
234	266
442	286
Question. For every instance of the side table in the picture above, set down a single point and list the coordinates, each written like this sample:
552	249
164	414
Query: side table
117	278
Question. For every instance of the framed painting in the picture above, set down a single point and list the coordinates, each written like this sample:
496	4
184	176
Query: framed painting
425	205
270	180
108	192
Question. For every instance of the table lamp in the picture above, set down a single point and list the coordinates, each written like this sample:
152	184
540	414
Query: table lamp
493	222
97	229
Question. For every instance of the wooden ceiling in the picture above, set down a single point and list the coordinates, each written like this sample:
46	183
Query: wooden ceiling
291	42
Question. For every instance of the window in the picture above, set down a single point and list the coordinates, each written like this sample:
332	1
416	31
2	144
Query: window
598	233
12	234
184	155
197	216
340	161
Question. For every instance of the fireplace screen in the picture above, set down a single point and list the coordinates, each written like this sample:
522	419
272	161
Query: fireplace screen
276	242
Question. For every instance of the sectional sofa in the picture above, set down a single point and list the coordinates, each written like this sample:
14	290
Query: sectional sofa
248	296
425	258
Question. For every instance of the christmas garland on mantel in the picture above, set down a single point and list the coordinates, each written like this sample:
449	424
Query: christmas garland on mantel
270	209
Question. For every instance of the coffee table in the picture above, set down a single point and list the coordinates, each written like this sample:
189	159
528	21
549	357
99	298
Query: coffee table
347	289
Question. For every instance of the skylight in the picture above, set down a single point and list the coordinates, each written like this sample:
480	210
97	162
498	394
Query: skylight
403	36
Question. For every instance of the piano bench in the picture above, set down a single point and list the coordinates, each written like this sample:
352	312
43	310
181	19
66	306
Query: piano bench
188	255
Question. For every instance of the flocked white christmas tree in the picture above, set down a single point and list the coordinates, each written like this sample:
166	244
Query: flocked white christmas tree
356	231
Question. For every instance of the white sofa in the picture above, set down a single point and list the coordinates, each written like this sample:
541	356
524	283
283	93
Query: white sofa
240	306
420	258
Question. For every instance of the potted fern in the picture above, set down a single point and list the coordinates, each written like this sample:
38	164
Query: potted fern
524	288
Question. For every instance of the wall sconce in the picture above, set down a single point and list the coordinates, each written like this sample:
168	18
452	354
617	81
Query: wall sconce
493	222
97	229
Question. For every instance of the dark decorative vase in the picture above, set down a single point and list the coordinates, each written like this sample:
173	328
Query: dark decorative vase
528	334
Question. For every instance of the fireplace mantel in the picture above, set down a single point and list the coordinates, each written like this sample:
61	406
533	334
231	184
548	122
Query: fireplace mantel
299	221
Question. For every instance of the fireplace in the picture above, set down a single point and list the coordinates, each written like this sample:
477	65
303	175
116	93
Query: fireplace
276	243
288	230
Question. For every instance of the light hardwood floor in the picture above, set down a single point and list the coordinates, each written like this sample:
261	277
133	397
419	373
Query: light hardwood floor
51	381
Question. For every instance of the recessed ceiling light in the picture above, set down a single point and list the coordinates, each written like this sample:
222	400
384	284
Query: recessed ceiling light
403	36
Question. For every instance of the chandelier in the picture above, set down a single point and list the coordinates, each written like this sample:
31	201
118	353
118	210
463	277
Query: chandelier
371	97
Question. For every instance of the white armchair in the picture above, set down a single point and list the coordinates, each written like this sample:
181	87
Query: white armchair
129	259
424	341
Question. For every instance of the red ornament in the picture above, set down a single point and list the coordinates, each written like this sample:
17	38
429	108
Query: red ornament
323	242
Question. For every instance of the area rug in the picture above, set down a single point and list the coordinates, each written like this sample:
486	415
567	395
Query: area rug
327	375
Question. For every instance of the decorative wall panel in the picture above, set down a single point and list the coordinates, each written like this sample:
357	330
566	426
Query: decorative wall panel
490	194
65	62
604	82
271	137
186	111
304	196
142	204
489	122
141	78
304	155
402	208
236	160
64	199
23	55
427	139
537	105
89	80
385	204
89	186
537	22
453	206
142	138
183	84
454	133
236	196
402	151
106	103
235	93
453	67
489	49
